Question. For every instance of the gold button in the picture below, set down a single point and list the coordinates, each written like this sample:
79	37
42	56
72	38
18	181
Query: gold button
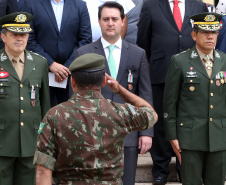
1	84
21	111
21	85
211	81
211	119
211	106
191	80
22	123
37	85
211	94
21	98
181	124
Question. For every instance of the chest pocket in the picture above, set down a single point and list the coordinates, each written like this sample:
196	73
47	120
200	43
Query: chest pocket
5	89
192	85
35	85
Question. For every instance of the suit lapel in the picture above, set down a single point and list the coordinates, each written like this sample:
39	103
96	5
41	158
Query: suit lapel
188	12
218	64
48	7
98	49
124	60
196	62
66	12
29	66
164	5
7	65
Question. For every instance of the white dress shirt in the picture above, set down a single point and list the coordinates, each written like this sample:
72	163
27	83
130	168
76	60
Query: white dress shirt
116	52
58	11
181	5
93	5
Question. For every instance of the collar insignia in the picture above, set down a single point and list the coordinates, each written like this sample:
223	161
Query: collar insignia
29	57
3	57
194	54
217	54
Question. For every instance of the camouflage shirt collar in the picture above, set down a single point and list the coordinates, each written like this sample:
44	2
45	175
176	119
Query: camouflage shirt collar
88	94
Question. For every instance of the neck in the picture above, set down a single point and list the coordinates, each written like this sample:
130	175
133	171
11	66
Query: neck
111	40
57	1
205	51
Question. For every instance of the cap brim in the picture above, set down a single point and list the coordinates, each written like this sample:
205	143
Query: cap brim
18	29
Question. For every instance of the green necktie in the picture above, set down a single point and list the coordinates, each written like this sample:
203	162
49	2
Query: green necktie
111	62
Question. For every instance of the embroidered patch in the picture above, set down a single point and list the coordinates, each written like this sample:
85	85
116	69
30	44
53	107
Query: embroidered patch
194	54
3	57
29	57
40	127
4	74
217	54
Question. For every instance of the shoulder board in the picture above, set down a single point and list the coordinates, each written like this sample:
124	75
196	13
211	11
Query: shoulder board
182	52
37	54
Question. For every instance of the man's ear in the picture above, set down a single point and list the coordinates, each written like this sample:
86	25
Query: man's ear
3	37
104	81
193	35
72	82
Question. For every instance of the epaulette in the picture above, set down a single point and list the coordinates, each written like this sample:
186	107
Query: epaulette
37	54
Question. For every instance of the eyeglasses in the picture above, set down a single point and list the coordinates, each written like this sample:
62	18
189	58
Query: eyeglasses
207	32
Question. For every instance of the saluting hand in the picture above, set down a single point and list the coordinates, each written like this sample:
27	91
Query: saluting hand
112	83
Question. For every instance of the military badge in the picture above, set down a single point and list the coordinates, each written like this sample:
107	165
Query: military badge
21	18
40	127
3	57
2	91
4	74
191	68
194	54
192	88
130	80
32	96
218	83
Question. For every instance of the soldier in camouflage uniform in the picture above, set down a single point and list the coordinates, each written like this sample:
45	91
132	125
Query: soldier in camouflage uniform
81	140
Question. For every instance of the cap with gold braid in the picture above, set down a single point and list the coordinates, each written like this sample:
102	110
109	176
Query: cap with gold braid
17	22
207	21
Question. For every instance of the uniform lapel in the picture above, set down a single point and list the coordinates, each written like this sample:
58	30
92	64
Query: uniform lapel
124	60
98	47
29	66
196	62
164	5
66	12
218	64
7	65
48	7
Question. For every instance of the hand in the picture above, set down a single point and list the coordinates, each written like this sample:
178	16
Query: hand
59	70
176	148
145	143
58	79
112	83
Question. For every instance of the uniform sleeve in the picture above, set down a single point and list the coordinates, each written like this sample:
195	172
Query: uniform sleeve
138	118
46	152
171	96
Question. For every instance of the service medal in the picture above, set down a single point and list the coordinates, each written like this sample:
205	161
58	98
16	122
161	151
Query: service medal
192	88
218	82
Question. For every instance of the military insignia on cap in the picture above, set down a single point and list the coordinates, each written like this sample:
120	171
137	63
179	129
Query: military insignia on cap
194	54
3	57
210	18
21	18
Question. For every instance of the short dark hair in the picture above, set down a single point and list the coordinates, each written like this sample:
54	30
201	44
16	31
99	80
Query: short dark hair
111	4
195	29
4	31
86	80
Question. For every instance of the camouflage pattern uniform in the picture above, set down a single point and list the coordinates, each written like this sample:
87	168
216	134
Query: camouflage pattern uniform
82	139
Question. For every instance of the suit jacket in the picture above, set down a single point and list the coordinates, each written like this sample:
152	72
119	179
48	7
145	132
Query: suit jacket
221	40
19	120
160	37
194	105
132	58
47	40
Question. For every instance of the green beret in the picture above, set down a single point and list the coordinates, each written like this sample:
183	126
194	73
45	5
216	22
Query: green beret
90	62
207	21
17	22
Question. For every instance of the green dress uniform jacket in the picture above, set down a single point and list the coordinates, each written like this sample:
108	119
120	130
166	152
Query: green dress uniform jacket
19	118
194	105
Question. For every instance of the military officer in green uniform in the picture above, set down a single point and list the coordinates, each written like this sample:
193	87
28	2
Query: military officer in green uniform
24	100
195	105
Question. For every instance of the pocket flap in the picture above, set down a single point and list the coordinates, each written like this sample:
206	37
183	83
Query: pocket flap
192	80
223	121
5	83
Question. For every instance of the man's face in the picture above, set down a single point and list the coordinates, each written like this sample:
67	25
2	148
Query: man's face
205	40
111	24
15	43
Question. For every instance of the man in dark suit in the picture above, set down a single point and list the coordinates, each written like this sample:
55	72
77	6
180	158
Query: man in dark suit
130	69
24	100
161	37
59	29
221	40
194	105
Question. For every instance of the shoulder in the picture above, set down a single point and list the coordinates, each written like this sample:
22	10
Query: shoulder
132	47
86	48
35	57
182	56
220	54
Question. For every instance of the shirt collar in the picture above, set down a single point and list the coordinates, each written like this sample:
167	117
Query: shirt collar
181	1
21	56
201	54
61	1
106	43
87	94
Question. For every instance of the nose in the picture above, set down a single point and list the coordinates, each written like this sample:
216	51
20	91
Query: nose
110	22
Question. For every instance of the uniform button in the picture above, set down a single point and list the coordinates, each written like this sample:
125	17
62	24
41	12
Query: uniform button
181	124
1	84
36	85
22	123
211	81
21	85
211	94
191	80
211	106
21	111
211	119
21	98
180	36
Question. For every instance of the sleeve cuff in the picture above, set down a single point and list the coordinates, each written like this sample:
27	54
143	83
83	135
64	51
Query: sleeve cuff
44	160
